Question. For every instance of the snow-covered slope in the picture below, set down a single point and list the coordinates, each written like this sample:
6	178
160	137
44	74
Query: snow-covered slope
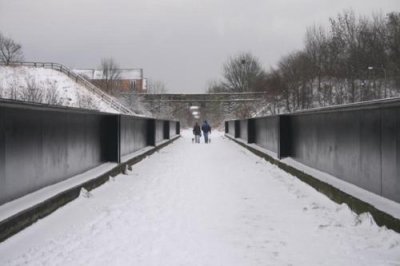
49	87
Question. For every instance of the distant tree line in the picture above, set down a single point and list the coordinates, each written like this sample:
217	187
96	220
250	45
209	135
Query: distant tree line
353	59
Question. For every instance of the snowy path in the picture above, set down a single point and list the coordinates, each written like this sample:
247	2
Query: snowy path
192	204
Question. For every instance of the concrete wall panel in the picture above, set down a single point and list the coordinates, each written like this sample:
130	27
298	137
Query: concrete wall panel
231	128
267	132
159	131
391	153
133	134
44	147
344	144
243	130
172	128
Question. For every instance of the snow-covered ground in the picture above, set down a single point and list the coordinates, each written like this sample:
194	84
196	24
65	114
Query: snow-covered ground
198	204
47	86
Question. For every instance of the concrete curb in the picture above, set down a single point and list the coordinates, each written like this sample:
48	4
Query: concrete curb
357	205
25	218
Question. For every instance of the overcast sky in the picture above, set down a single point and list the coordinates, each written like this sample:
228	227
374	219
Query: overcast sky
180	42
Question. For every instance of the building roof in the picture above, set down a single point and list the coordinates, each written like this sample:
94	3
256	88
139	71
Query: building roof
130	74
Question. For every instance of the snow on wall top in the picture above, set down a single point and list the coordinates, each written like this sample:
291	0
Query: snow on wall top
49	87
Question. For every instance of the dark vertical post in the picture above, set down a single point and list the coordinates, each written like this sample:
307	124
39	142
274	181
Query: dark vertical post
110	138
151	132
119	138
237	128
2	148
284	135
178	128
226	127
166	129
390	153
251	131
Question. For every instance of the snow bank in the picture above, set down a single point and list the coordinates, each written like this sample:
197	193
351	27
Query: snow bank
47	86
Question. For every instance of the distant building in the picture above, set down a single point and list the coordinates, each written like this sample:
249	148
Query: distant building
130	79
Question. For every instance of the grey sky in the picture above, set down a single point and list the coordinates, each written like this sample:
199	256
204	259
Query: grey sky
181	42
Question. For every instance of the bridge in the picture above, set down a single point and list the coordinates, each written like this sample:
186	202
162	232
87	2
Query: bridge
256	194
203	98
178	105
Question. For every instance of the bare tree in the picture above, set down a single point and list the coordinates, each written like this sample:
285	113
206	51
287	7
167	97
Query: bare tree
134	102
109	81
216	87
156	87
275	86
393	32
13	89
85	101
10	51
316	48
242	73
31	92
52	95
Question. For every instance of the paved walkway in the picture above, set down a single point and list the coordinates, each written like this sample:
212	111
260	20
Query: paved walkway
198	204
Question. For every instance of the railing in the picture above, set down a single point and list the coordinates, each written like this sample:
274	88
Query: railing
79	79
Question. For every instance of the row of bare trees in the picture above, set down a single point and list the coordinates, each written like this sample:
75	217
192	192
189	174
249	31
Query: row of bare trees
32	91
354	59
29	90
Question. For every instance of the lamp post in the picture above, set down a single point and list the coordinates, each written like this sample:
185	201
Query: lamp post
243	74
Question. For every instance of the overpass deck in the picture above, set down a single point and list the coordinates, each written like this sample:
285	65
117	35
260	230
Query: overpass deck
197	204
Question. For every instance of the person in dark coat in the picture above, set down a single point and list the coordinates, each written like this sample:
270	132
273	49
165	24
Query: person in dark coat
206	128
197	133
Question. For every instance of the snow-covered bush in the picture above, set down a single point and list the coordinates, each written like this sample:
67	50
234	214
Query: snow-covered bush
52	96
31	92
84	101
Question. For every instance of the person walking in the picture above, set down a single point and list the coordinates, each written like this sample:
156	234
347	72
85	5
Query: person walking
206	128
197	133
